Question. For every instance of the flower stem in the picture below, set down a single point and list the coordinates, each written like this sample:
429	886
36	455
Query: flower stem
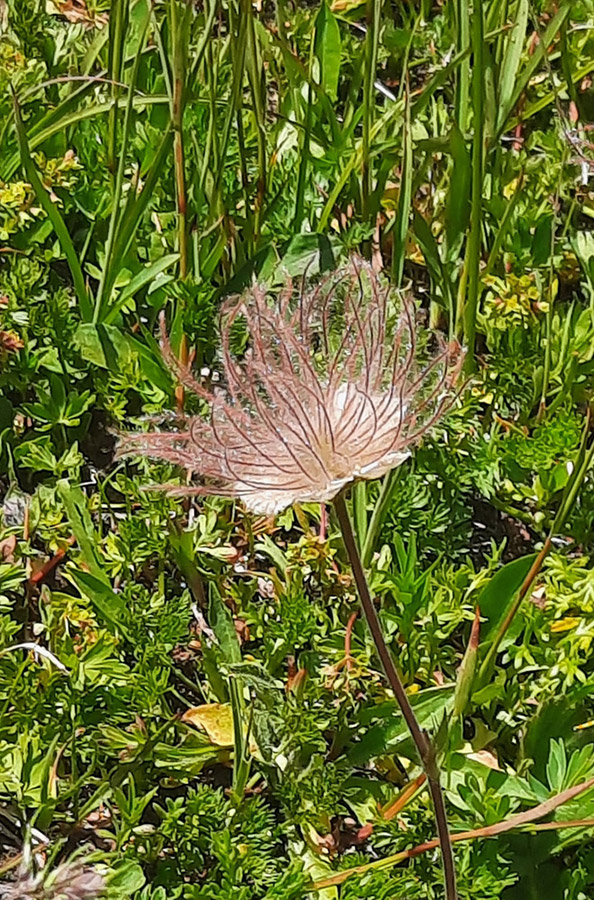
420	737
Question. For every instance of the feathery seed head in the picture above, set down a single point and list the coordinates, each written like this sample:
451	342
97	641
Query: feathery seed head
69	881
332	387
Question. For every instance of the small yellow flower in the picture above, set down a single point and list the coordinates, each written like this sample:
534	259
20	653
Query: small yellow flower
510	189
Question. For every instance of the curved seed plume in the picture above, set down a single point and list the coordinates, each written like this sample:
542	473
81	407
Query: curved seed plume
331	388
70	881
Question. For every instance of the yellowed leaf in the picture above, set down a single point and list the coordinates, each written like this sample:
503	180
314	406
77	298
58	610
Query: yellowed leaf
584	725
216	719
345	5
565	624
77	12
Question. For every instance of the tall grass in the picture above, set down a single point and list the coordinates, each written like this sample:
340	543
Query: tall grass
286	126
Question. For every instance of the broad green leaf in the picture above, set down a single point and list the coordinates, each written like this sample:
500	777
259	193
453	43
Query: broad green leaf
429	706
190	757
75	504
221	622
458	203
103	345
306	253
273	551
499	593
327	49
126	880
557	766
216	719
110	606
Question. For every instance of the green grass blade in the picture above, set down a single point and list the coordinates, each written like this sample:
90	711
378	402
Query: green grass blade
473	254
378	516
54	216
304	154
327	48
373	16
145	276
524	77
118	26
179	35
458	202
404	199
119	183
256	77
129	222
504	226
514	46
462	19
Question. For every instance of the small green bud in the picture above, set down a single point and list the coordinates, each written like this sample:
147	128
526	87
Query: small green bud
467	669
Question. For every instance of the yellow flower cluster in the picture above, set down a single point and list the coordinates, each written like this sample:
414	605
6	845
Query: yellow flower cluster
18	204
511	301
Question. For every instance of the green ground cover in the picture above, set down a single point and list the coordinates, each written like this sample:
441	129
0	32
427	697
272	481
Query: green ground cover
158	157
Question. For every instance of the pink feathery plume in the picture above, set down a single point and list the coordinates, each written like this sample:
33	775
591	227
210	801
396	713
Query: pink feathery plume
331	388
69	881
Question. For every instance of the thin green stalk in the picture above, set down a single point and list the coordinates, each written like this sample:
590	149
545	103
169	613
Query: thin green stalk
241	755
473	253
420	737
210	150
158	39
107	276
359	511
404	199
179	27
237	45
404	83
462	17
379	514
550	288
134	209
256	75
504	225
546	372
372	18
118	26
243	161
304	155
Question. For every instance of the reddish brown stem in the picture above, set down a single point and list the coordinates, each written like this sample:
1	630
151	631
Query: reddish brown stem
519	820
347	639
419	735
51	564
393	808
323	522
